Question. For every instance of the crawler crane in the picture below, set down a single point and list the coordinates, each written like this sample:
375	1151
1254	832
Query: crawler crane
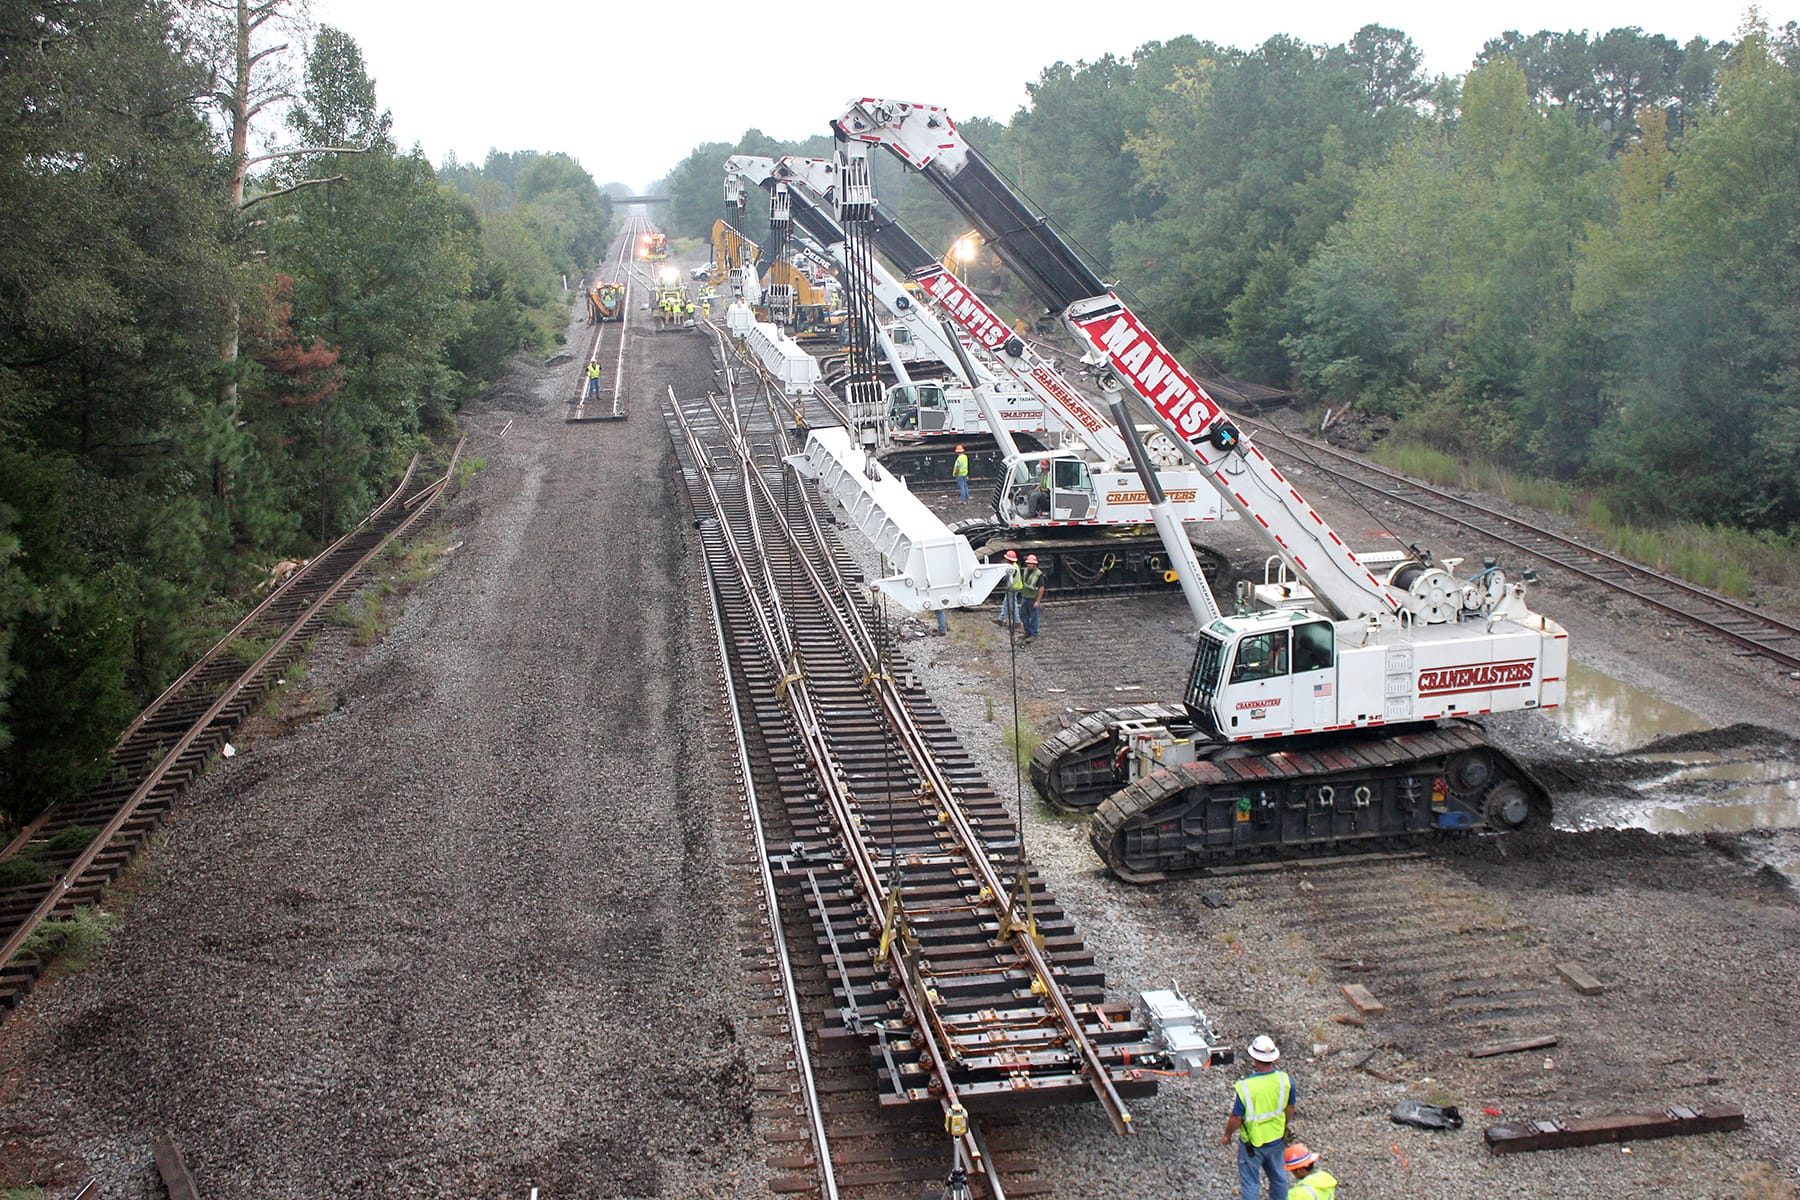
1083	512
1337	713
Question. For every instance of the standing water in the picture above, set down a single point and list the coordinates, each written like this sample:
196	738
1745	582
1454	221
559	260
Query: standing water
1682	780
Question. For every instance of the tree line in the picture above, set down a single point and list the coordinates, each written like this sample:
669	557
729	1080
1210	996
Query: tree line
1579	258
214	356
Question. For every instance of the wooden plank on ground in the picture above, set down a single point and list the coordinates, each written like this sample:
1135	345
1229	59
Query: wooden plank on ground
1361	1000
1532	1043
1590	1131
1579	979
173	1170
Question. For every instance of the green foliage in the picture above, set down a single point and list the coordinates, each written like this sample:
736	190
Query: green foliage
73	939
146	468
21	871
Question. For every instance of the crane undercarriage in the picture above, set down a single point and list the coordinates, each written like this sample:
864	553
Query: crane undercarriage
1242	803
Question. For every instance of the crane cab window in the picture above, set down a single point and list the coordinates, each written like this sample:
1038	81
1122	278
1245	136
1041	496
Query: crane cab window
1314	647
1071	474
1261	656
931	395
900	335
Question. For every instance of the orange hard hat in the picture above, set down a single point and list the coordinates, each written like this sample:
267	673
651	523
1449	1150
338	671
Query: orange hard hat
1031	560
959	449
1043	462
1298	1157
1012	556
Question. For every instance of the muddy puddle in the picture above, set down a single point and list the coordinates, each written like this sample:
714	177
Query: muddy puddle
1658	766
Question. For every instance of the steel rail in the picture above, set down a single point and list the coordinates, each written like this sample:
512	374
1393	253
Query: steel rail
858	638
1006	904
275	597
1362	469
790	993
72	874
797	700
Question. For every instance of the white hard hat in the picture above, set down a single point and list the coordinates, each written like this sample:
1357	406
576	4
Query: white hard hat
1263	1049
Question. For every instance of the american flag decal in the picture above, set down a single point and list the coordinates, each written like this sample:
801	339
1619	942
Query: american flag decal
1321	690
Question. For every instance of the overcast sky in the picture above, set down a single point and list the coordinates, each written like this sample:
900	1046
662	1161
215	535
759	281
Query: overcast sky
630	95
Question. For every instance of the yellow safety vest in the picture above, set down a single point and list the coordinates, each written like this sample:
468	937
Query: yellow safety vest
593	370
1265	1096
1026	582
961	466
1320	1185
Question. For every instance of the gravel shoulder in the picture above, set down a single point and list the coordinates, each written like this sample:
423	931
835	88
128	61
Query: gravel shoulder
1697	941
453	937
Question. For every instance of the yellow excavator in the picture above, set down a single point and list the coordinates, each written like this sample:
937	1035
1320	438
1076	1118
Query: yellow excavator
730	250
798	303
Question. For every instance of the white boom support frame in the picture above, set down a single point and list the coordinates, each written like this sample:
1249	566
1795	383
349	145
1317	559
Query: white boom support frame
1415	646
934	568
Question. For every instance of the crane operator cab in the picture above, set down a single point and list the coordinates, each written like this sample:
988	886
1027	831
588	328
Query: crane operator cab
1264	673
918	406
1052	487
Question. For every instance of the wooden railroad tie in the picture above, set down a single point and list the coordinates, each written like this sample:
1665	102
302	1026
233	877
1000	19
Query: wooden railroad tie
1674	1121
1542	1042
173	1170
1361	999
1579	979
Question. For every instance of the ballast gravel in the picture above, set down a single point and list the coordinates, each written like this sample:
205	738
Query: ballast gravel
470	933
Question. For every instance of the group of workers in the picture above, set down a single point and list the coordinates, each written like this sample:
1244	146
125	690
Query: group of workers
1262	1103
1024	593
675	308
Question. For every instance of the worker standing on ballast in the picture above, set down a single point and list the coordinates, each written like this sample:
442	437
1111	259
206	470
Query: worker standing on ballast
1031	594
959	470
593	379
1009	589
1311	1181
1261	1105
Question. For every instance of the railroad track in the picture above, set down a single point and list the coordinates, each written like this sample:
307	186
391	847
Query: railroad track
1752	630
65	859
610	351
907	970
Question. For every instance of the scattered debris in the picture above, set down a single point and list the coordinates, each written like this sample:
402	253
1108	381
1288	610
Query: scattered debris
1426	1116
1214	900
1361	1000
1579	979
1347	1019
1677	1120
1533	1043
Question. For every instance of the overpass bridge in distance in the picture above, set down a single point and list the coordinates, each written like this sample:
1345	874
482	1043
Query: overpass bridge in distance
639	199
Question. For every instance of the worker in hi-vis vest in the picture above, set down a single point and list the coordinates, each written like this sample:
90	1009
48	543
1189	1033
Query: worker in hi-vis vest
1260	1107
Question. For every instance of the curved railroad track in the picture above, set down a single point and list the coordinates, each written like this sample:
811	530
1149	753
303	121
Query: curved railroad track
66	858
871	825
1753	630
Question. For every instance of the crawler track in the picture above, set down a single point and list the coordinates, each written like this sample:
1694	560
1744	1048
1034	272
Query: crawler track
1751	629
79	847
877	828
